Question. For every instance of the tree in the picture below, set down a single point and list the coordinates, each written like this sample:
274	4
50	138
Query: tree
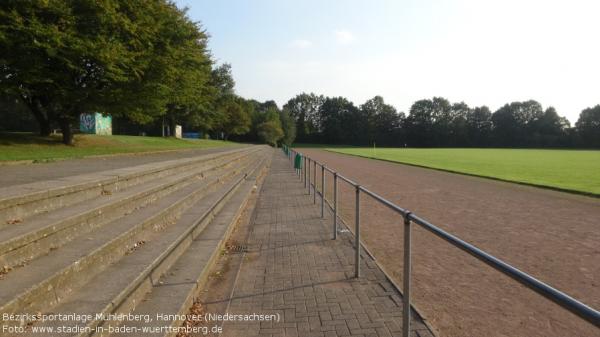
222	91
442	115
419	123
15	116
549	129
64	58
236	120
190	96
340	121
288	124
458	135
505	125
269	130
222	80
30	37
304	108
437	122
588	126
513	123
479	126
382	121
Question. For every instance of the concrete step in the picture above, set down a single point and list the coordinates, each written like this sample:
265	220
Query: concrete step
175	291
22	201
123	282
47	231
47	280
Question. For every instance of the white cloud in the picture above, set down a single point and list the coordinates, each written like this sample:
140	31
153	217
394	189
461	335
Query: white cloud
300	44
344	37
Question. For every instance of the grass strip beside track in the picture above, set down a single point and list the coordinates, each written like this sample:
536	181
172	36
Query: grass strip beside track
575	171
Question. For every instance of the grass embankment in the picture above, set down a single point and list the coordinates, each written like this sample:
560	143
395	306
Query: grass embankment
569	170
25	146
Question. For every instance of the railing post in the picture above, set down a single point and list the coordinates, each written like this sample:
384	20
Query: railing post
406	290
308	173
322	191
357	234
334	205
304	165
315	183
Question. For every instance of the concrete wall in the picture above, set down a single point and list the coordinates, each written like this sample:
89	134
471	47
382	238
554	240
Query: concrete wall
95	123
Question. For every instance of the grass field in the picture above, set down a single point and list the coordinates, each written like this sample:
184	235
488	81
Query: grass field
24	146
573	170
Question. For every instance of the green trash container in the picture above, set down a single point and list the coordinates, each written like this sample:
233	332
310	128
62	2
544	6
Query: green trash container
298	161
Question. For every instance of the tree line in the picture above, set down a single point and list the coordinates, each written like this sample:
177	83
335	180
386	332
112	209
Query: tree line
143	62
437	122
147	64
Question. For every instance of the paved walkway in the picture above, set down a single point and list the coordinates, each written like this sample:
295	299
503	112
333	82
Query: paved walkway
294	269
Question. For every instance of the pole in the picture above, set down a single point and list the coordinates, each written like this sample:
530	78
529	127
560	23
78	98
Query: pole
308	172
334	205
357	234
315	183
305	158
322	191
406	290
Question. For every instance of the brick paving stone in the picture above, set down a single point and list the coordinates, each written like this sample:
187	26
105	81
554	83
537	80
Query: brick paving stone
294	269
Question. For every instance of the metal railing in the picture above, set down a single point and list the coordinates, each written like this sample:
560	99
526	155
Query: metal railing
565	301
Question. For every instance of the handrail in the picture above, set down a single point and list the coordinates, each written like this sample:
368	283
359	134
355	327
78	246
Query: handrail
565	301
348	180
384	201
578	308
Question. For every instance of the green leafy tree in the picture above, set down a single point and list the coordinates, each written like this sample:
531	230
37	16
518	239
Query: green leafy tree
190	94
458	135
288	125
383	121
588	126
236	120
222	80
513	123
15	116
340	121
304	108
64	58
222	90
479	126
442	115
419	123
269	130
549	129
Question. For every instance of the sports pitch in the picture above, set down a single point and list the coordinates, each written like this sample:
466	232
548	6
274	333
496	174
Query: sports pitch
571	170
550	235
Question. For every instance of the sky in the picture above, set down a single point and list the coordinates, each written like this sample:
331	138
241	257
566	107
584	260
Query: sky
482	52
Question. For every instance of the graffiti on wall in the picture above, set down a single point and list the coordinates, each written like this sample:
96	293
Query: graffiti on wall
87	123
103	124
95	123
